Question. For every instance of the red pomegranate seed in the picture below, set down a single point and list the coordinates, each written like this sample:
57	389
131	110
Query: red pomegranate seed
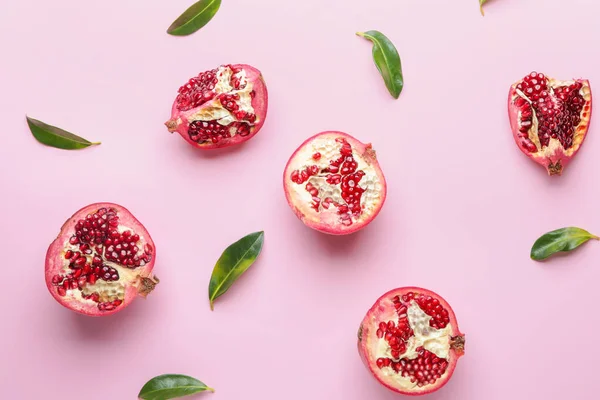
81	281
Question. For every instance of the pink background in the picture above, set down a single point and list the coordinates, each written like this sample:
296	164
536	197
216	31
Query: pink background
463	208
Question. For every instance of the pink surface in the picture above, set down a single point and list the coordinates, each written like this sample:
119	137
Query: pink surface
463	208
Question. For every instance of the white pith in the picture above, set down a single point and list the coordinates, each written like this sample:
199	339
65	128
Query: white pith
330	150
108	291
436	341
554	145
214	110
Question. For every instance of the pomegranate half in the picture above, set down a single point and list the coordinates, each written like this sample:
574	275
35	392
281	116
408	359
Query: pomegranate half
100	261
334	184
410	341
220	107
550	118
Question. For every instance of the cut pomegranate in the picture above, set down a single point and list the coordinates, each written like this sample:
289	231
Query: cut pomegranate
410	341
550	118
334	184
102	258
220	107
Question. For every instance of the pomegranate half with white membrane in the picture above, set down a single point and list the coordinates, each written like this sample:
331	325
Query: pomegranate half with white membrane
334	184
101	260
221	107
410	341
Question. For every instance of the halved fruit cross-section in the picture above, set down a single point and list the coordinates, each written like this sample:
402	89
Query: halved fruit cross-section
410	341
101	260
220	107
334	184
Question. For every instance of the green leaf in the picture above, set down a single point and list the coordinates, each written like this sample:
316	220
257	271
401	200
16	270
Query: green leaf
56	137
560	240
194	18
170	386
387	60
481	3
234	261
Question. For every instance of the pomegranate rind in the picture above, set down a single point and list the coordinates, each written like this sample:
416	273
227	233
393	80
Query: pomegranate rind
367	340
554	159
260	103
55	259
316	220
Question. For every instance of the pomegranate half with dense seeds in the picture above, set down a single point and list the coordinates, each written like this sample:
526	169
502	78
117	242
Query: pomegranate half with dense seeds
550	118
410	341
101	260
220	107
334	184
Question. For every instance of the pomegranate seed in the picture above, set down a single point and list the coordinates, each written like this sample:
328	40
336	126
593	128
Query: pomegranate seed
81	281
556	119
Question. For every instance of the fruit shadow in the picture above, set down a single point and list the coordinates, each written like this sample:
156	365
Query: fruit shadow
558	258
212	153
336	245
540	172
111	327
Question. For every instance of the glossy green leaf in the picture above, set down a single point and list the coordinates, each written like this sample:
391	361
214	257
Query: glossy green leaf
234	261
56	137
194	18
560	240
387	60
171	386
